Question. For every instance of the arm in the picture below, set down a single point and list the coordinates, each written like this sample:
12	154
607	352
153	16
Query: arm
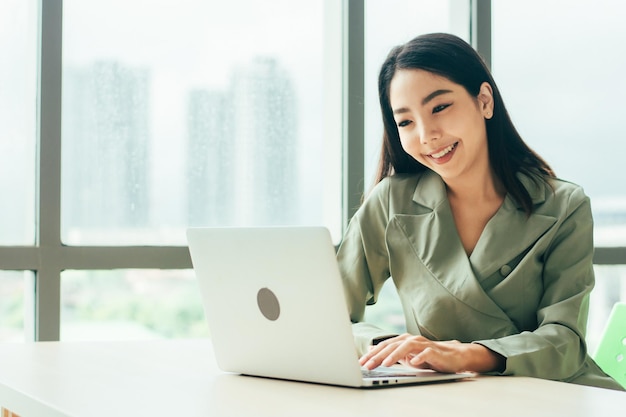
556	348
364	263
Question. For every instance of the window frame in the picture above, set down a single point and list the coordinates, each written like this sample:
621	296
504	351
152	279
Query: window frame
49	257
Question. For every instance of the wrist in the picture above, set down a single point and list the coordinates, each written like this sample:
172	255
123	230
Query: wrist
482	359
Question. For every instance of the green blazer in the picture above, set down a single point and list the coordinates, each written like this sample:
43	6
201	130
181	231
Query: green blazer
523	292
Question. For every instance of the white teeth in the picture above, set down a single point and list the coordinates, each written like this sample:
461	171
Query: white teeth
443	152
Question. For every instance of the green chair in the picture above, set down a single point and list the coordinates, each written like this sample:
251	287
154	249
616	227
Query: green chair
611	352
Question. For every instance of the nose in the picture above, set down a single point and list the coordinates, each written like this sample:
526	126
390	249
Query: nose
428	131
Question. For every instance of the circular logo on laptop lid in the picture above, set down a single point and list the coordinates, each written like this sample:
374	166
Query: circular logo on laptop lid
268	304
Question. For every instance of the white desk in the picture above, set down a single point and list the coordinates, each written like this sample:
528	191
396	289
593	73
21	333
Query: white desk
180	378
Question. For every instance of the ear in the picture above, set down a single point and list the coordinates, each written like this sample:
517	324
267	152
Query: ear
485	100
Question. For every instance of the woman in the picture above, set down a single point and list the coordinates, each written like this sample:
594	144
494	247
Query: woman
491	254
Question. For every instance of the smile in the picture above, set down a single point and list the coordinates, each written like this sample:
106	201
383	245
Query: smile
444	151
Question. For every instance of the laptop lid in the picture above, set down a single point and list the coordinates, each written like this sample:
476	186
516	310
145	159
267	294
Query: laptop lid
275	304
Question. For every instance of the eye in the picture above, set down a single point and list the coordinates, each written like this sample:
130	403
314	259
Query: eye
404	123
440	107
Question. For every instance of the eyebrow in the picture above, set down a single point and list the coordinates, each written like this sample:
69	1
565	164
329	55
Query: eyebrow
434	94
425	100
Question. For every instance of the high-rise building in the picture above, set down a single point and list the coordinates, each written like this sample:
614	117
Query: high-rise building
210	160
243	150
266	135
105	141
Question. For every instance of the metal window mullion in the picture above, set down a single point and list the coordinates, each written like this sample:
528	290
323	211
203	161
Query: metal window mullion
47	285
354	106
609	256
121	257
480	28
19	258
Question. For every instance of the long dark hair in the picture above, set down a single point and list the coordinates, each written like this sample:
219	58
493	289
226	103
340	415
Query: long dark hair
451	57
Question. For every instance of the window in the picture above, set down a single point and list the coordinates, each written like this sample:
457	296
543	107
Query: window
123	129
18	114
143	109
610	288
201	115
14	313
18	105
130	304
563	84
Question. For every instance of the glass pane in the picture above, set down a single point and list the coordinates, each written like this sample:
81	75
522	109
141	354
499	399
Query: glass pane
203	114
563	83
13	293
18	120
393	22
610	288
130	304
387	312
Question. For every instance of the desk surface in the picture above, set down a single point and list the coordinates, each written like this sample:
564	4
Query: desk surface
180	378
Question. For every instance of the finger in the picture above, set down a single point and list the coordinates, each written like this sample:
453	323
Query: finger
434	359
393	350
369	356
399	338
381	355
374	350
373	359
419	360
404	351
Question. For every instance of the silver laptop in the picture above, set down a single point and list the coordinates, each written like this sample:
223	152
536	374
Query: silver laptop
275	307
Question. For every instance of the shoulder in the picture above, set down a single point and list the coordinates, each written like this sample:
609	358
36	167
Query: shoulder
556	196
391	195
567	194
414	185
397	183
392	186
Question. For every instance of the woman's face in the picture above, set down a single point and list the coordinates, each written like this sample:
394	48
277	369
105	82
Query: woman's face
440	124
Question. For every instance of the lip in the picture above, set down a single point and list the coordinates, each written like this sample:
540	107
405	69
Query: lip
443	153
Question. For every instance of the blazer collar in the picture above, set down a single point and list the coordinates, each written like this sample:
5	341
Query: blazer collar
431	191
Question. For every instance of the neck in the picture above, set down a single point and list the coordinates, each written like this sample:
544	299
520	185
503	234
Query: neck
479	188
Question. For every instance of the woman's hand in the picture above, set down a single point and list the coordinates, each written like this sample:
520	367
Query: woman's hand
420	352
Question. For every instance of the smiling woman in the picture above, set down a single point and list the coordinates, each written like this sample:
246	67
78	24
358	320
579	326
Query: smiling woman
490	252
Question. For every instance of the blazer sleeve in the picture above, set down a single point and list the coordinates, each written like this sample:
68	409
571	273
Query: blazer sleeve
556	349
364	263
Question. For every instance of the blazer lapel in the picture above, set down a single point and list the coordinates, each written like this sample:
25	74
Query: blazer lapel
507	235
435	241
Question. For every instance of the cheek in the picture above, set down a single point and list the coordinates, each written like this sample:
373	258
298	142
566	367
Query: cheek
410	146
